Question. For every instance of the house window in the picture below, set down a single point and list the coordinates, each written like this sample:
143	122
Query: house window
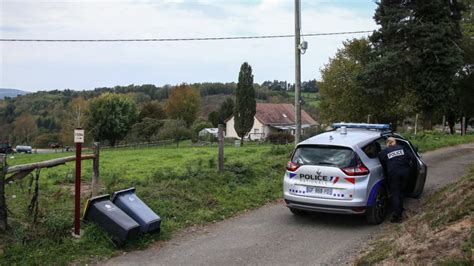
255	130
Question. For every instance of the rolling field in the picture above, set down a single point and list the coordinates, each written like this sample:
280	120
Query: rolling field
180	184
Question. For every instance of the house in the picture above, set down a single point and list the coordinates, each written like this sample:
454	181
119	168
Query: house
207	133
272	117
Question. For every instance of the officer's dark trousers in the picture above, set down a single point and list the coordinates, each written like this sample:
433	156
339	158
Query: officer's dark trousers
398	184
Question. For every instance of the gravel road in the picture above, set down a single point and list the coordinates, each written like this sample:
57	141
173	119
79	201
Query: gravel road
271	235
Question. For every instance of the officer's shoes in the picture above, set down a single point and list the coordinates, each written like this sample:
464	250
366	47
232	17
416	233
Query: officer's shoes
396	219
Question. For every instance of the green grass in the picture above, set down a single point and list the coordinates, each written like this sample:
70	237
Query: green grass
310	98
181	185
430	140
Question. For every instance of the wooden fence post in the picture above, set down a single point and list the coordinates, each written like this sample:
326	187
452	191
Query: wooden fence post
95	169
463	126
444	123
220	135
416	123
3	203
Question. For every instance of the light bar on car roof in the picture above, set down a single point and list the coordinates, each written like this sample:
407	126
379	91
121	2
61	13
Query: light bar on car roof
361	125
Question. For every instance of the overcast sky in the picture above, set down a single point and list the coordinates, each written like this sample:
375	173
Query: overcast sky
47	66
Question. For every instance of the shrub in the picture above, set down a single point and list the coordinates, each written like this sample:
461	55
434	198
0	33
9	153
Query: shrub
280	138
280	150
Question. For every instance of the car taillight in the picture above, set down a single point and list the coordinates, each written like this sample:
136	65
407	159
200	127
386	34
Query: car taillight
359	169
291	166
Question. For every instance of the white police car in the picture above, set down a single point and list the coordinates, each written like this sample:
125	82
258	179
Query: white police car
339	172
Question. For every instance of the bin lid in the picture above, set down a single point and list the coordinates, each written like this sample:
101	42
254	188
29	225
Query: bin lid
92	201
123	191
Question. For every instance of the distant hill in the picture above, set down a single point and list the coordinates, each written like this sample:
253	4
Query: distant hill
11	93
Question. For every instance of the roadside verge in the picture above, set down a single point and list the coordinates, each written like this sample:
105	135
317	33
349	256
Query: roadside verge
439	230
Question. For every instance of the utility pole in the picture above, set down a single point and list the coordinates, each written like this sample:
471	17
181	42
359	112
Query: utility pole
297	73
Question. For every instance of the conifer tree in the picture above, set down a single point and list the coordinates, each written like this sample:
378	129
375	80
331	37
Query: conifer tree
245	104
417	53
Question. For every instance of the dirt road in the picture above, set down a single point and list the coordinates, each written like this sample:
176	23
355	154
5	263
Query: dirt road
271	235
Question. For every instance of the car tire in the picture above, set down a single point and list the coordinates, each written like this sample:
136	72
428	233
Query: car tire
376	213
297	212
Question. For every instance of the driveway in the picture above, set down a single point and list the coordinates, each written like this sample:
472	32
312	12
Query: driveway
271	235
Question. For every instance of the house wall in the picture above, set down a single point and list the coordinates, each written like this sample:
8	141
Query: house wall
255	132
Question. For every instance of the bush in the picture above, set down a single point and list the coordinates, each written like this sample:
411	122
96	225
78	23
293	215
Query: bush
280	150
280	138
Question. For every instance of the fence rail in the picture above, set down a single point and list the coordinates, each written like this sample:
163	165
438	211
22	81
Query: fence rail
17	172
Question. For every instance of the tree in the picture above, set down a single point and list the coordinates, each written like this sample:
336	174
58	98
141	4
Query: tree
416	52
176	130
146	129
226	109
342	97
25	128
309	86
183	104
463	102
110	117
245	104
215	118
152	110
75	118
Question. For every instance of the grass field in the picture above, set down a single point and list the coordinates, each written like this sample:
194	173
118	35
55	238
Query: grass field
180	184
310	98
430	140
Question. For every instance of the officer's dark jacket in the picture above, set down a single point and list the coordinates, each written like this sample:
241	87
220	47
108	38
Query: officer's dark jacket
396	161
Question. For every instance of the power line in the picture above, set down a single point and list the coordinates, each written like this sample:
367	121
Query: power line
185	39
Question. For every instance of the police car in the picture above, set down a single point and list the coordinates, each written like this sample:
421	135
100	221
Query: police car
339	172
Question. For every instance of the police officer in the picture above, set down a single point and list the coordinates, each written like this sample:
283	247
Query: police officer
396	161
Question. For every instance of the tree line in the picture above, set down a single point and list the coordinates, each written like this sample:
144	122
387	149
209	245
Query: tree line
123	113
420	60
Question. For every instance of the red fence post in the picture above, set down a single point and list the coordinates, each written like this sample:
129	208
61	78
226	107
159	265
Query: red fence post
78	139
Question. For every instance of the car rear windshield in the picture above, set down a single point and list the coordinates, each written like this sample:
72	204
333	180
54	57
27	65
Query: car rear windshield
324	155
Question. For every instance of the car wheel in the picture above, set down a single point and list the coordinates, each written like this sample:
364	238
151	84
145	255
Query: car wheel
376	213
297	212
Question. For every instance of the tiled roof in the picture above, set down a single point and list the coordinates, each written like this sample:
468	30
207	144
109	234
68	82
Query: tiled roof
280	114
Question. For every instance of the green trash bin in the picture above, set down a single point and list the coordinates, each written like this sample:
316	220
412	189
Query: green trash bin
101	211
132	205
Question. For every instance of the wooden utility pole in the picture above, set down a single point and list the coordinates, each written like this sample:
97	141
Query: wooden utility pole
220	135
463	126
3	203
95	169
297	73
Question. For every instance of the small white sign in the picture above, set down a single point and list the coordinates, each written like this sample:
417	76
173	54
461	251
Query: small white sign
78	135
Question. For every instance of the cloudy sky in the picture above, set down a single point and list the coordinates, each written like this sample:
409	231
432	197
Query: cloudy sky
36	66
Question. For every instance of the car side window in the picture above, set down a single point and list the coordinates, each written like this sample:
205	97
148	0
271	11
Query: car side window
382	143
372	149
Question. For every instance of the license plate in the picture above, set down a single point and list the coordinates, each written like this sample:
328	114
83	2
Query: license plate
319	190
